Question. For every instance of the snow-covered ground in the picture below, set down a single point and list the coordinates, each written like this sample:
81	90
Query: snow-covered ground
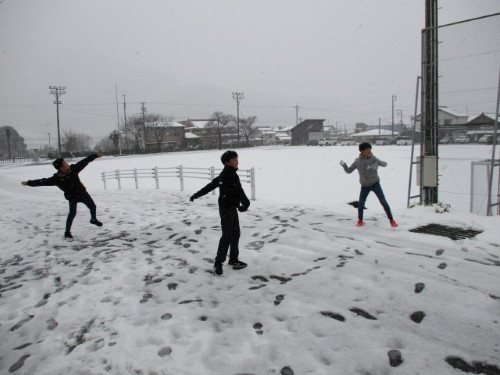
320	296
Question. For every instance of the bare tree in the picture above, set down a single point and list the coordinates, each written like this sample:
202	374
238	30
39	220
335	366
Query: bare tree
134	126
247	128
157	127
76	142
221	123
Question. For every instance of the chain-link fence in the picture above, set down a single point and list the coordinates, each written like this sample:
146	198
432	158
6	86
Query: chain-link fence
468	80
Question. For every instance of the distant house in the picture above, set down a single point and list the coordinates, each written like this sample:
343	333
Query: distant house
207	137
446	118
282	138
373	135
266	135
300	132
164	137
479	126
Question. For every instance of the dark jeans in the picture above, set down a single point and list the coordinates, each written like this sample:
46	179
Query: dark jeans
84	198
377	189
230	234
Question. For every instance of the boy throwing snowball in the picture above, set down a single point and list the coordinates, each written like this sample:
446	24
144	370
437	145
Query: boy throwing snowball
232	199
367	165
75	192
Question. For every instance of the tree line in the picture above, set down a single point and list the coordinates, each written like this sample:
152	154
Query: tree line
129	138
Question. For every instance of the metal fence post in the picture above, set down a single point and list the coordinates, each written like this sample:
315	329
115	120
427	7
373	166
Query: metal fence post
180	172
212	176
104	179
136	179
155	173
117	173
252	182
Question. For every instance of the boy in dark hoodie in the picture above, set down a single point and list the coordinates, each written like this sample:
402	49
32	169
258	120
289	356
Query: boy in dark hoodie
75	192
367	165
232	199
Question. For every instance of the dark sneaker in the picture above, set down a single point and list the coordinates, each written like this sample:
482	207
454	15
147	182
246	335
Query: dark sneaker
96	222
67	235
218	269
237	264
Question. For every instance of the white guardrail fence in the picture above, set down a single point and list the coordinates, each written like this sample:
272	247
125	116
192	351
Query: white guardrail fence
180	172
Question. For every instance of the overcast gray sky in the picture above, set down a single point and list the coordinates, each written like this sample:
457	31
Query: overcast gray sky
339	60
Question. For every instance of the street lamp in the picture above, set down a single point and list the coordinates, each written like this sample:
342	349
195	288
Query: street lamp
57	91
238	96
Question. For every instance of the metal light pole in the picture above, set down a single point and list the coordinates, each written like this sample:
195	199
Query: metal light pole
57	91
238	96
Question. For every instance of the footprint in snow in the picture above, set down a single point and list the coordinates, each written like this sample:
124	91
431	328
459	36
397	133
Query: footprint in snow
258	328
419	287
279	298
333	315
255	245
417	316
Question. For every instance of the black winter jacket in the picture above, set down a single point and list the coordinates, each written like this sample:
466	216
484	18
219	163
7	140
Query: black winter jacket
231	193
68	182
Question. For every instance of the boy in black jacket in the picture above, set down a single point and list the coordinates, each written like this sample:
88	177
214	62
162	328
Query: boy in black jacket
75	192
232	199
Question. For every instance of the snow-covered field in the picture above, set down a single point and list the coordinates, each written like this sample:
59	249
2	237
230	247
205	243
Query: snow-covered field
320	296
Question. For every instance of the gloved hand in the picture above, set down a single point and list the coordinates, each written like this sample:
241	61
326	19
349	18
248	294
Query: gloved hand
343	163
373	166
192	198
242	208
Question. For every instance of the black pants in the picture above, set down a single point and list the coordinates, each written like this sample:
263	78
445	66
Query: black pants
84	198
230	234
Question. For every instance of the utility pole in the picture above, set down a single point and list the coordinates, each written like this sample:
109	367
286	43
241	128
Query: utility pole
296	114
393	100
7	133
49	141
400	112
143	109
57	91
125	123
118	119
238	96
430	99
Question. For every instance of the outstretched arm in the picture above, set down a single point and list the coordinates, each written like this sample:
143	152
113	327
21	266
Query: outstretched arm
84	162
41	182
206	189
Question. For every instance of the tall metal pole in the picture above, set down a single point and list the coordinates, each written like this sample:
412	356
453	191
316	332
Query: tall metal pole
49	141
125	119
494	145
393	100
429	103
118	119
238	96
57	91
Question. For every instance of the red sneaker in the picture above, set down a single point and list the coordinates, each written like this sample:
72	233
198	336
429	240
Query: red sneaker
393	224
360	223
